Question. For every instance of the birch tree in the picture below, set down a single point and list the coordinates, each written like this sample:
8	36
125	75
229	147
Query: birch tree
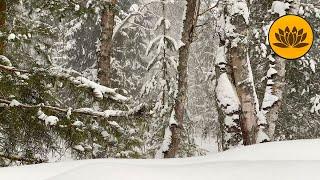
275	77
228	103
298	117
237	21
257	124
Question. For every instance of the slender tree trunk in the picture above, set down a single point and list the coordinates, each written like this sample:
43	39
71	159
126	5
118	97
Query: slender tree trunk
229	111
187	36
3	8
242	74
276	85
230	131
220	67
245	91
107	25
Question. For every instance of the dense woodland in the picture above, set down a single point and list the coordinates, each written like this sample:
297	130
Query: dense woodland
86	79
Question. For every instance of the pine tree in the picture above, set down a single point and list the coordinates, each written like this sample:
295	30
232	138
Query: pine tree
161	85
47	110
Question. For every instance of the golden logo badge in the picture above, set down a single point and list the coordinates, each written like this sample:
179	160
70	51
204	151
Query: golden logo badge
291	37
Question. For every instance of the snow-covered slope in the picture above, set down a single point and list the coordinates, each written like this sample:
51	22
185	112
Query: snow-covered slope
292	160
283	150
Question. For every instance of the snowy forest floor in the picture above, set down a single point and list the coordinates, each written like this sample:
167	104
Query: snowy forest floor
287	160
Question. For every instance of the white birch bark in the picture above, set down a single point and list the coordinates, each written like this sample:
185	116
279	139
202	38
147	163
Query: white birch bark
273	97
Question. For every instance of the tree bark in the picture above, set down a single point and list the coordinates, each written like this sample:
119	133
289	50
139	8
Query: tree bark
277	88
230	133
242	75
229	119
189	25
245	91
107	25
276	84
3	8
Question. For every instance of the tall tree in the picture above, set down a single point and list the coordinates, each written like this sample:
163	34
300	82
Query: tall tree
238	19
30	128
299	115
279	81
107	25
189	25
228	103
275	85
3	7
161	84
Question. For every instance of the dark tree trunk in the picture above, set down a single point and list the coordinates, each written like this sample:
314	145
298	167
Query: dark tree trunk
188	30
107	25
3	8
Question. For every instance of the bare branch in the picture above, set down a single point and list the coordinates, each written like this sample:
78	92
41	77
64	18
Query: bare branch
209	9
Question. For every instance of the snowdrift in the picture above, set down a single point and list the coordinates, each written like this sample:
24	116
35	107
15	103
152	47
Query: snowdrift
289	160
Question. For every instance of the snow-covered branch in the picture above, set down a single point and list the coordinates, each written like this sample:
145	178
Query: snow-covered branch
82	111
98	90
124	22
22	159
11	69
315	101
136	11
72	76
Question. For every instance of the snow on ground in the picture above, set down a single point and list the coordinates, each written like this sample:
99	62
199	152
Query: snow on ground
299	150
291	160
207	144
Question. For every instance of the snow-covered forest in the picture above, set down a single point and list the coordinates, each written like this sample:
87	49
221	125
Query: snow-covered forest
145	79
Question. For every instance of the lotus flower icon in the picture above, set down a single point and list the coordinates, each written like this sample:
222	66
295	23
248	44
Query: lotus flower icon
293	38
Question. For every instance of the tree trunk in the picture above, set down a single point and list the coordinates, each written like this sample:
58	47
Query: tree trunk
187	36
230	131
242	74
276	89
107	25
276	85
229	111
245	91
3	8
